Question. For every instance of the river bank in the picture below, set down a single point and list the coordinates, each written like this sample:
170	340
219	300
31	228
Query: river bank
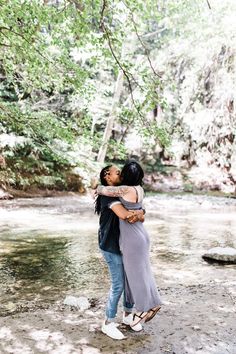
194	319
49	250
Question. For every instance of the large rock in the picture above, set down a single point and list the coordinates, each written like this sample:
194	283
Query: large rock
221	254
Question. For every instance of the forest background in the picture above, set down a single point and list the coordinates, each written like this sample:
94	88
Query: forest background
84	83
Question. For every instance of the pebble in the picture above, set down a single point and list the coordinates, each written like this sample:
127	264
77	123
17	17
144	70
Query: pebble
196	328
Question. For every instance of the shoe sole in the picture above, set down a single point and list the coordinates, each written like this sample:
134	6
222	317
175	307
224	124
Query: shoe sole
104	332
135	330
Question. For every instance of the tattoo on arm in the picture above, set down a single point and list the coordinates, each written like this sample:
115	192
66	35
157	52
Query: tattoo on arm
112	191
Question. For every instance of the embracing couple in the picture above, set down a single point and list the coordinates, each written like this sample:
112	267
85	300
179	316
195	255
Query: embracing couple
124	243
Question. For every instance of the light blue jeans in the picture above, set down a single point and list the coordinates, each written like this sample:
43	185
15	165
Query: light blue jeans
116	269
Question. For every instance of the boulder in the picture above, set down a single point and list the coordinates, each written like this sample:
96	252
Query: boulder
221	254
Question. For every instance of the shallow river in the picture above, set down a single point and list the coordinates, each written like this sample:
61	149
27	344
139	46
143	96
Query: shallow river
48	246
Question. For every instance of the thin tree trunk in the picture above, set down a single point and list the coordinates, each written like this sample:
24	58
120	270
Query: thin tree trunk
111	118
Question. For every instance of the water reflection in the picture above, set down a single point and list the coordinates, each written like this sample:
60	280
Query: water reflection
36	258
40	268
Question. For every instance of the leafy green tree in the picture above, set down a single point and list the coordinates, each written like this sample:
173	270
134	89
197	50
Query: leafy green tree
72	69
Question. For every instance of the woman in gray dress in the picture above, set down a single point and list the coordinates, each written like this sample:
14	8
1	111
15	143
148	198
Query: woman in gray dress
140	284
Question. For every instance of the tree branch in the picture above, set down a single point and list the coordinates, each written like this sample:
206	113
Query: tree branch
126	74
5	45
104	5
141	42
2	28
78	6
152	34
208	3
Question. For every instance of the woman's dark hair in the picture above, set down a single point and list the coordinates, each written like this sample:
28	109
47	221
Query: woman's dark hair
104	183
132	174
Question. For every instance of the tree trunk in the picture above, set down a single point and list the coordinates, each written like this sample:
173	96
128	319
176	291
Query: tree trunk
111	118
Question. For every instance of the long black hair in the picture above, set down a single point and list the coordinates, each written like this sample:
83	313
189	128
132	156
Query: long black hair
103	181
132	174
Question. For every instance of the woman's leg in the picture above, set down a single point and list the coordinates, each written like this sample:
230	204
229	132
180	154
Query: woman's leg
115	266
116	270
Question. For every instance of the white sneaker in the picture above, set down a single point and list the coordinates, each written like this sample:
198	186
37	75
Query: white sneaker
112	331
128	320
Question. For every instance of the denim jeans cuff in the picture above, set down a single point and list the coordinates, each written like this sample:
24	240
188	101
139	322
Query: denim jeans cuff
111	319
128	309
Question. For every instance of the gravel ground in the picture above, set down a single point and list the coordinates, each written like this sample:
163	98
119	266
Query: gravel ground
194	319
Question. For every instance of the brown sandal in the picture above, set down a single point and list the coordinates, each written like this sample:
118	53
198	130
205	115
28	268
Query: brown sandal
151	313
138	317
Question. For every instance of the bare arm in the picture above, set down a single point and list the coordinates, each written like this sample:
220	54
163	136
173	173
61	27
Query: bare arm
113	191
131	216
121	212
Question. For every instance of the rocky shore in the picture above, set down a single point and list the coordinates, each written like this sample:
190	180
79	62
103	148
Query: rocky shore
194	319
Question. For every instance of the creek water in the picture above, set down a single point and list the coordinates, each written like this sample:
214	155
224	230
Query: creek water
48	246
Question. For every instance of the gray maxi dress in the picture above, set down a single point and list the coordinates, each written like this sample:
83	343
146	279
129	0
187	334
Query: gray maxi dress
140	284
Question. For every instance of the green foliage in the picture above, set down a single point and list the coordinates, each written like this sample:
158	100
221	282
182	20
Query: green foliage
117	151
59	61
35	38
